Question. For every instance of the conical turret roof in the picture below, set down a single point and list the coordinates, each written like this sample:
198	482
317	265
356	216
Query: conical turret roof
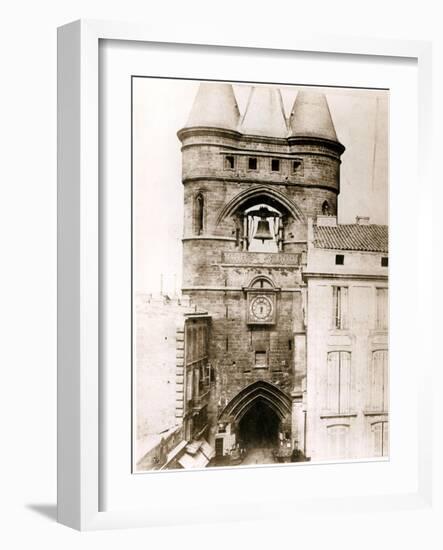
264	115
214	106
310	116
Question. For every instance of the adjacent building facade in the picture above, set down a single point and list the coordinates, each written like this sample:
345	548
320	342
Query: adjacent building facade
173	382
347	390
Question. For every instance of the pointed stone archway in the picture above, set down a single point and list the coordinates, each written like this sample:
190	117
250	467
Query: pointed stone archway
258	413
273	396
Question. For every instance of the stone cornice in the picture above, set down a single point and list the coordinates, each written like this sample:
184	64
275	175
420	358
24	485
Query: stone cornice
200	288
233	134
261	180
359	276
208	238
202	130
313	140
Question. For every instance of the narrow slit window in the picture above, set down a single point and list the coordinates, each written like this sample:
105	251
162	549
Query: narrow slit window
199	214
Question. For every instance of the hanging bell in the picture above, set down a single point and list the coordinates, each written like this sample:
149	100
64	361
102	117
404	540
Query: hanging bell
263	232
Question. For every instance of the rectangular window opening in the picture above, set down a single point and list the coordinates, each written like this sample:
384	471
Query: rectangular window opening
339	259
275	165
340	307
252	163
230	162
384	262
296	165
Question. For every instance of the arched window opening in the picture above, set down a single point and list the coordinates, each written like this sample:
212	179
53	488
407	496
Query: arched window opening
380	438
199	214
326	209
338	441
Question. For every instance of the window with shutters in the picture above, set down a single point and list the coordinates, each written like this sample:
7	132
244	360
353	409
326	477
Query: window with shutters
339	387
380	438
378	398
340	307
338	441
382	316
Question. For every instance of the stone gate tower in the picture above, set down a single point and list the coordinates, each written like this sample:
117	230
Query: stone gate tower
250	184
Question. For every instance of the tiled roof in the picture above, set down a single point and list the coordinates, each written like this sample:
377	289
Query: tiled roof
367	238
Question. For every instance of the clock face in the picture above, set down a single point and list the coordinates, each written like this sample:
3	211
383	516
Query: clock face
261	308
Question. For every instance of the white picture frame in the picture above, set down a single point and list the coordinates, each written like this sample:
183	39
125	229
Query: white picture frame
79	293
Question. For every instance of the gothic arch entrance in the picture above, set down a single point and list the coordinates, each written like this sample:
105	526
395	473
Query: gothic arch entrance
258	414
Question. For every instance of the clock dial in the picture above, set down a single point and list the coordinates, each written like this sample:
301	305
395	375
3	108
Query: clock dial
261	308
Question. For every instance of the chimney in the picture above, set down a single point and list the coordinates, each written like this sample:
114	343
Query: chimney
362	220
326	221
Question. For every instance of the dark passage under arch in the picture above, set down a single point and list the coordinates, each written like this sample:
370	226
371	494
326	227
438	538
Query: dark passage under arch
259	426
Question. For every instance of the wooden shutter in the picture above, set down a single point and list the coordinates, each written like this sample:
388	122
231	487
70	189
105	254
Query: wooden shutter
332	398
385	440
335	307
345	382
343	307
382	308
377	439
385	381
376	381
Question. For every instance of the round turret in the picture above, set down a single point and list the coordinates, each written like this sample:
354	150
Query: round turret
214	106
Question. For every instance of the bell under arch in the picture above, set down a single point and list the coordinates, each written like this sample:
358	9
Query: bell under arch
262	228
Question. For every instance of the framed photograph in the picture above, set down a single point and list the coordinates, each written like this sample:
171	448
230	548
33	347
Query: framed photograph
232	277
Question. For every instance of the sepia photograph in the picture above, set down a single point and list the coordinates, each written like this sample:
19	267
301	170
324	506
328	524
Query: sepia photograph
260	274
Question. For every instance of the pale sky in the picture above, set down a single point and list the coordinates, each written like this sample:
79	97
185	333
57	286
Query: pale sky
161	107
